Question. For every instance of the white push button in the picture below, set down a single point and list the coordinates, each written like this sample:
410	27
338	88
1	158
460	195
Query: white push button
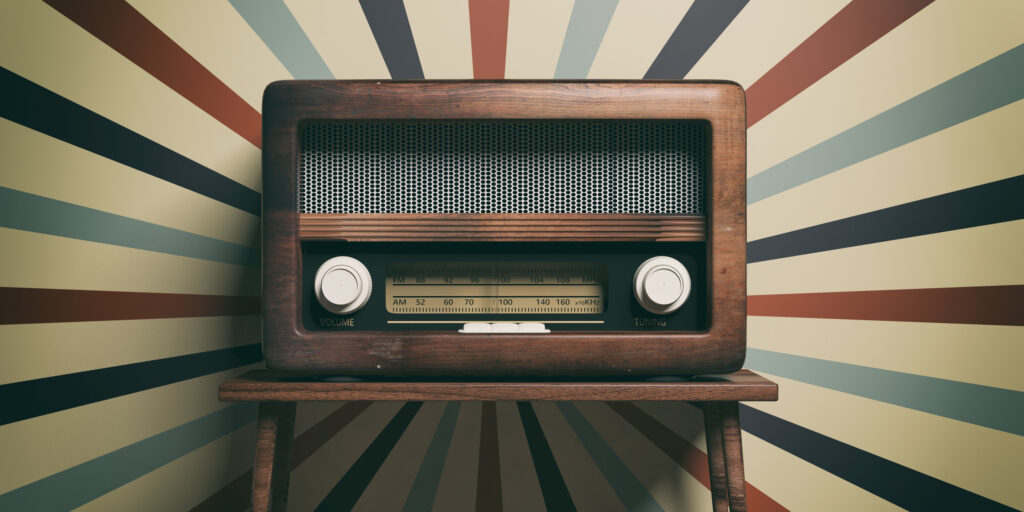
476	327
533	327
661	285
342	285
504	327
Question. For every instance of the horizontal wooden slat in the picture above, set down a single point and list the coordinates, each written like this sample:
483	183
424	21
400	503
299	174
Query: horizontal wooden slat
264	385
502	227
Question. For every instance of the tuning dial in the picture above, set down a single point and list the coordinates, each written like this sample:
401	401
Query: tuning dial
661	285
342	285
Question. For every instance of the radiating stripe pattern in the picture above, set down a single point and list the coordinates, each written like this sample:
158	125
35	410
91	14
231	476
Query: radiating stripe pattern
110	435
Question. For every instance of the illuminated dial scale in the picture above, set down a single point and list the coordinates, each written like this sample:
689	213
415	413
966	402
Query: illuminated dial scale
661	286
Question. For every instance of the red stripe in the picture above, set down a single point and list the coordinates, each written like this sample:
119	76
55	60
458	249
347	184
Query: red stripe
488	28
994	305
37	305
236	495
688	456
128	32
852	29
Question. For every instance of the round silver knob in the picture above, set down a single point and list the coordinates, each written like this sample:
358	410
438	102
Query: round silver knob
661	285
342	285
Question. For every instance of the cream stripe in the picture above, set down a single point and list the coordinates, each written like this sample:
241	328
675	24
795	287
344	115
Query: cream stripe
981	460
981	256
45	261
340	33
636	34
34	351
390	486
220	39
798	485
520	489
536	29
670	485
931	47
114	87
186	482
441	31
45	444
313	479
988	355
47	167
587	486
981	150
760	36
456	490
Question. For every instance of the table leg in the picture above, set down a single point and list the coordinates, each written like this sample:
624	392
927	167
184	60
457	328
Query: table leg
716	457
274	430
730	413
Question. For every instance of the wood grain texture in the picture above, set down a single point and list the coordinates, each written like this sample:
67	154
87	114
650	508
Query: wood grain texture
729	415
502	227
716	457
272	469
721	349
267	385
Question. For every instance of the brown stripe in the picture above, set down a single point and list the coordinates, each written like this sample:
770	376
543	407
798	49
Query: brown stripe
994	305
488	480
688	456
852	29
235	495
37	305
488	28
128	32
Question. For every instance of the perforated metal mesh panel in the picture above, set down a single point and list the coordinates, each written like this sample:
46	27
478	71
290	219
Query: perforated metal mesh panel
651	167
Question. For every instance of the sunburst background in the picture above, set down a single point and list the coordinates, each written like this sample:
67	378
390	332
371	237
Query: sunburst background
886	241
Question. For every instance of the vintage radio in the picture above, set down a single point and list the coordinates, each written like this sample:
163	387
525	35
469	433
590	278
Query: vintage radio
508	228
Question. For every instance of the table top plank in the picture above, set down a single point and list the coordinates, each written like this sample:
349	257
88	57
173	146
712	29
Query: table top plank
270	386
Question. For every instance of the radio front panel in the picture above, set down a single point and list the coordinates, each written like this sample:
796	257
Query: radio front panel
564	286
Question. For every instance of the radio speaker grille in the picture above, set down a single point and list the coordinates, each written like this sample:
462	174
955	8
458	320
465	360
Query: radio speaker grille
504	166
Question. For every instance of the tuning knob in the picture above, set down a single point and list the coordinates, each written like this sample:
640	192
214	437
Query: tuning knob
342	285
661	285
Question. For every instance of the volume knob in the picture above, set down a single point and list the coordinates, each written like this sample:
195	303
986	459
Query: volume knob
661	285
342	285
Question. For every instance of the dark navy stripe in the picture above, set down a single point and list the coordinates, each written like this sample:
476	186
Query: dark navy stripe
884	478
996	202
390	26
999	201
31	398
696	32
37	108
552	485
428	478
347	491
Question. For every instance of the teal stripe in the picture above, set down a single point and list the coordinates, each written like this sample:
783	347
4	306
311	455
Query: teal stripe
280	31
626	485
424	487
85	482
587	24
986	87
995	408
29	212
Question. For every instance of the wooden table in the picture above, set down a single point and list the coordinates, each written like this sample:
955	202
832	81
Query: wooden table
278	393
